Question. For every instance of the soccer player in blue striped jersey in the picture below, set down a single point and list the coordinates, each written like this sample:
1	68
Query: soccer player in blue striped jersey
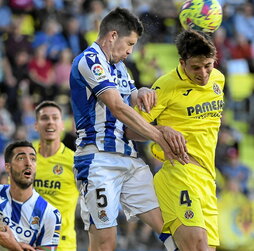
31	222
106	162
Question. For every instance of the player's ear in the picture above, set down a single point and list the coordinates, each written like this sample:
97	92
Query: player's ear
36	126
113	35
182	62
7	167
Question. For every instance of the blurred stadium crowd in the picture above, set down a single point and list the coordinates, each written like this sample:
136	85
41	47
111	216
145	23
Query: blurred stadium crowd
38	40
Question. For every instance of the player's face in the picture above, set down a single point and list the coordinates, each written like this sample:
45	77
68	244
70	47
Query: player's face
22	166
49	123
122	47
198	69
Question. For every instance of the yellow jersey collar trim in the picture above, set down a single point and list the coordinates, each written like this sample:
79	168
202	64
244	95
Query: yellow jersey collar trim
181	72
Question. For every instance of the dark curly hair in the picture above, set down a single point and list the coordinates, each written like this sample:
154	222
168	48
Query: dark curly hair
192	43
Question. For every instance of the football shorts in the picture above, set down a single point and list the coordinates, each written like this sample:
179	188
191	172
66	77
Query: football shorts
187	195
114	180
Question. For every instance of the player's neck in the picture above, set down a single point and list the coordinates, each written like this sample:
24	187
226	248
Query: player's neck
49	148
104	45
21	195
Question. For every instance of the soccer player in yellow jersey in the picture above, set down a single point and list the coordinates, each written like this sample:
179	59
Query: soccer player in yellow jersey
54	177
190	101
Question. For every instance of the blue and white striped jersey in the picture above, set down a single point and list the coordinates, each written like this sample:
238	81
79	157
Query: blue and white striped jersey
91	75
35	222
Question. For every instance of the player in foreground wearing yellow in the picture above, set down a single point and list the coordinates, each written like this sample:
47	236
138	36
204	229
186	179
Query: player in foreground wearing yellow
54	177
190	100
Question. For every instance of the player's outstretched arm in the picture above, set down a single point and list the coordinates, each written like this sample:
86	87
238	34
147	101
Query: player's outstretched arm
127	115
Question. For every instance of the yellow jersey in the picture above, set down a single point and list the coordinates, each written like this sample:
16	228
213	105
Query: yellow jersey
55	182
191	109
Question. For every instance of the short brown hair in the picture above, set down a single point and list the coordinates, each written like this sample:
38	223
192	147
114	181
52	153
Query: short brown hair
122	21
191	43
46	103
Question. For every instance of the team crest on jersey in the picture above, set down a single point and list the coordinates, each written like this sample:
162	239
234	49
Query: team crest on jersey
102	215
35	223
216	89
189	214
57	169
98	72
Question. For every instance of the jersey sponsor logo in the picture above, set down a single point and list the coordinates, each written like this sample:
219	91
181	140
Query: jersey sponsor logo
35	221
98	72
205	107
216	89
187	92
22	232
102	215
57	169
47	184
188	214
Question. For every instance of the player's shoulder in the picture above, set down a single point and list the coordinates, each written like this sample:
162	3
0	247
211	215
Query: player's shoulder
3	188
66	151
216	74
163	81
43	205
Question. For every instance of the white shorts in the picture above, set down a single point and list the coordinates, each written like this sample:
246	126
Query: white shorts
113	179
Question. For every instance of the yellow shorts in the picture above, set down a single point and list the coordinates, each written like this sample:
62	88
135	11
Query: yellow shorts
187	195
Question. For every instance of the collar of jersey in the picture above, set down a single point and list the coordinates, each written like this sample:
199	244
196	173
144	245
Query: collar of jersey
36	145
181	72
97	47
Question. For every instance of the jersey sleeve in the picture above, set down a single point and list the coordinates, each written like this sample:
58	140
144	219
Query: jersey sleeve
50	232
96	75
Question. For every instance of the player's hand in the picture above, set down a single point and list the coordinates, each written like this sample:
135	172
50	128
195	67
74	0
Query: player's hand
146	99
26	247
8	240
177	143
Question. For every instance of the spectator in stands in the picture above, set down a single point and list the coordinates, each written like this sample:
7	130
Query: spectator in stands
52	38
242	49
6	16
75	39
62	71
42	74
45	9
236	170
7	126
16	41
244	21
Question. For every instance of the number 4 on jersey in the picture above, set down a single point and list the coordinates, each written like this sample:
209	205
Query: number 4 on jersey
185	198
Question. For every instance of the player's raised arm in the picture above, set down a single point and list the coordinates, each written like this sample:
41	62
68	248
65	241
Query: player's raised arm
112	99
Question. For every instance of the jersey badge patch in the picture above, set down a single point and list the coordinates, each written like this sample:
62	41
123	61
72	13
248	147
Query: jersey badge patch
189	214
35	223
98	72
57	169
216	88
102	215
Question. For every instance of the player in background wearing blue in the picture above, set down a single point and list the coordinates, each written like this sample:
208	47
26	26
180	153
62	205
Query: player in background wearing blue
190	100
30	222
106	162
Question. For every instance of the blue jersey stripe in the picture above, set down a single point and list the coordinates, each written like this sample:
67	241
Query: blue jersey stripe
82	164
3	191
16	211
40	237
39	208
